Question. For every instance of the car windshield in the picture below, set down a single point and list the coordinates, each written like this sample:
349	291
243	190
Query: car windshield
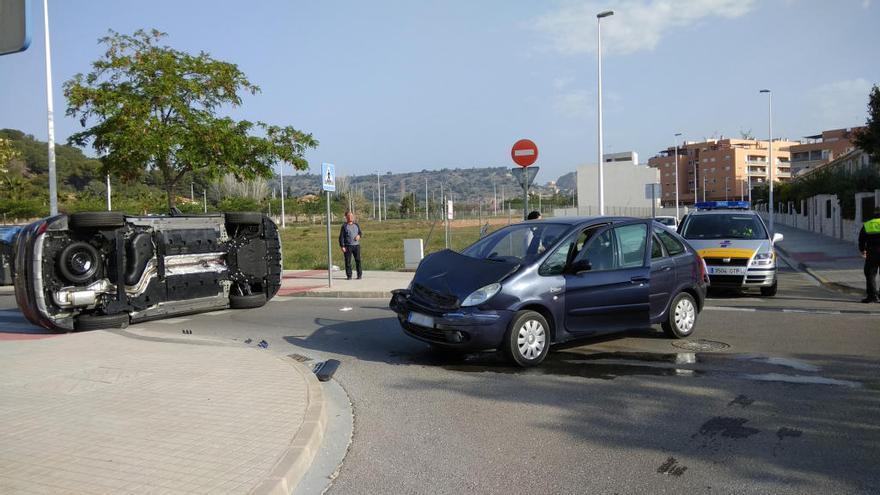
724	226
517	243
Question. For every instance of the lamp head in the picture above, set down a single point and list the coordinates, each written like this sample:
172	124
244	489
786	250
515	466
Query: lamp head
604	13
764	91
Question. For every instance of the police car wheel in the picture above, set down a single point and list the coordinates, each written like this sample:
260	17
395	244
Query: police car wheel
682	318
769	291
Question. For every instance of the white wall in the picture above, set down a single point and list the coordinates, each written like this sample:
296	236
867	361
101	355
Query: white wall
624	186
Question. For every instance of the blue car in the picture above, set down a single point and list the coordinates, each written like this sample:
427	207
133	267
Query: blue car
530	285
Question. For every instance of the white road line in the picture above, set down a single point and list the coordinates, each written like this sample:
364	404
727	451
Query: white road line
221	312
728	308
173	321
281	298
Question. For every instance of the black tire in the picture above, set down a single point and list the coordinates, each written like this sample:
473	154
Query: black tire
247	302
536	339
682	318
97	322
79	262
96	220
244	218
770	291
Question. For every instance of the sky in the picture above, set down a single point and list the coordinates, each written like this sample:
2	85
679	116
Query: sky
407	85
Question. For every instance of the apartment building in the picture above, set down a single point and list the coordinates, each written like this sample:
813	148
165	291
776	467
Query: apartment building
719	169
815	151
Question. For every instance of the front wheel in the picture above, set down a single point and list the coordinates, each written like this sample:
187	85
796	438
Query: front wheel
527	341
96	322
770	291
682	318
247	302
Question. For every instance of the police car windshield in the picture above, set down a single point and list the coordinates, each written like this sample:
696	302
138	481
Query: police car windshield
724	226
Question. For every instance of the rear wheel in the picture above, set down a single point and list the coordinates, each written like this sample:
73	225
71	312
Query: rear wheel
682	317
527	341
247	302
770	291
96	220
97	322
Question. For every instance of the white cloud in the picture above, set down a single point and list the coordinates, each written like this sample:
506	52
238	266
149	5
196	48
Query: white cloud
636	25
866	4
562	82
574	104
840	103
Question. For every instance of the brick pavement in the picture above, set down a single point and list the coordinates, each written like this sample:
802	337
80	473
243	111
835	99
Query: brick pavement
101	412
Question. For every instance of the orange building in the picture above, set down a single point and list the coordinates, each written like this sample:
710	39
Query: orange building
719	169
820	149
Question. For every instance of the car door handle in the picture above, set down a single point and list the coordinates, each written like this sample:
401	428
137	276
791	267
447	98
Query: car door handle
667	268
639	280
555	290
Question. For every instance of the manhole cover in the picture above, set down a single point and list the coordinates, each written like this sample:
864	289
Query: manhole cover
701	345
299	357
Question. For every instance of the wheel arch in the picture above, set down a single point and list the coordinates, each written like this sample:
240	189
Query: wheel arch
543	311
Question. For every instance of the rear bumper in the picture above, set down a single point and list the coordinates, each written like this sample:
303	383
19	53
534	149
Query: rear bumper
30	294
467	329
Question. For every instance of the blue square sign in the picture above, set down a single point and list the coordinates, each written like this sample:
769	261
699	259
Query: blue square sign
328	177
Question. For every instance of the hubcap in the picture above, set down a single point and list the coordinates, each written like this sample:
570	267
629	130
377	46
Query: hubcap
685	315
531	339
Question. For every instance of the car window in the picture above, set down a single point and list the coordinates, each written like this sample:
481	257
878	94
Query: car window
673	246
724	226
631	243
516	243
599	251
555	263
656	248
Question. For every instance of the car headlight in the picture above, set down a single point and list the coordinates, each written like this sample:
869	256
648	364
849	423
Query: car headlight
481	295
763	259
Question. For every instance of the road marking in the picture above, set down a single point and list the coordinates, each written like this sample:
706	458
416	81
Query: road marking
728	308
830	312
173	321
221	312
282	298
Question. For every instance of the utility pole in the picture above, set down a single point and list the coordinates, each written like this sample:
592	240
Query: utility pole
704	189
109	206
205	199
192	191
427	204
494	199
281	174
379	196
53	182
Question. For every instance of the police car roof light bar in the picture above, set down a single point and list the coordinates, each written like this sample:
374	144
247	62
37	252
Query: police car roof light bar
723	205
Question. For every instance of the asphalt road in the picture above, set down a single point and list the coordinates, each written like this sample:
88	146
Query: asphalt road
781	397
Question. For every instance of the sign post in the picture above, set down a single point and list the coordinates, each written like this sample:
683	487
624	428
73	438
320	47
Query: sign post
328	184
525	153
651	192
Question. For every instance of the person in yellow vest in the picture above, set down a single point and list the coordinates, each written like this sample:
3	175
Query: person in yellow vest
869	245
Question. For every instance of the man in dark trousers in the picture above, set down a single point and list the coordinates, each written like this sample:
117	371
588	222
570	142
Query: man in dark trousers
350	242
869	245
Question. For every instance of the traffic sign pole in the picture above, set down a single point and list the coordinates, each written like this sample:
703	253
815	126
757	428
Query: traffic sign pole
525	153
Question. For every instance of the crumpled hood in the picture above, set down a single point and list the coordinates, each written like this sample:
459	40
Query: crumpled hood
445	275
729	248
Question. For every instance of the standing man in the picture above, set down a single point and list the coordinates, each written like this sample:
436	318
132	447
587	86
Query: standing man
869	245
350	242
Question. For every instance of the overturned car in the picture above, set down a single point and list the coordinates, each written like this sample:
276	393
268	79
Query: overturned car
94	270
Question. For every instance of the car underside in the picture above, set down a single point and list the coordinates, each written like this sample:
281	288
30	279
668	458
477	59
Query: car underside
102	269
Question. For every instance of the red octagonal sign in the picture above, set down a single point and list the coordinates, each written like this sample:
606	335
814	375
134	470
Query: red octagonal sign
524	152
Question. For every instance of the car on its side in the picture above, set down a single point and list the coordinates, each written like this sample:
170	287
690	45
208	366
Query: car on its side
736	245
530	285
8	235
93	270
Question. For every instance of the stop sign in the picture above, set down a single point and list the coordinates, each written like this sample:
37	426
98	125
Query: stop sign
524	152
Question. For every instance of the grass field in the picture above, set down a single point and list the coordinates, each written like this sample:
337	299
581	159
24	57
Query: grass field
305	246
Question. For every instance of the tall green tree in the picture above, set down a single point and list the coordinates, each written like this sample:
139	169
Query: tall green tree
146	106
7	153
868	138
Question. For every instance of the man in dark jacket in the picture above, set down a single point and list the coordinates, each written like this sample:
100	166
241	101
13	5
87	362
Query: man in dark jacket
869	245
350	242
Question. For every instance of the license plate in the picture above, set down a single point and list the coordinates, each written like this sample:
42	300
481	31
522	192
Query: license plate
421	320
727	270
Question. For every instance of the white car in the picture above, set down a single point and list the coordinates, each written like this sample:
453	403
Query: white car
668	221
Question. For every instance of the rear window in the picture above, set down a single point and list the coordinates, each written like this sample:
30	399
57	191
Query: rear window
724	226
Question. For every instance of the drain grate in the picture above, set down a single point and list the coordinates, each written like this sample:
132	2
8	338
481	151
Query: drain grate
299	357
701	345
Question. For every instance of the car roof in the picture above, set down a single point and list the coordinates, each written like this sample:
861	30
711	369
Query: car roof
584	220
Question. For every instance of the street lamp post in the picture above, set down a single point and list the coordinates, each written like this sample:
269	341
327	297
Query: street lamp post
770	174
53	183
281	176
676	174
726	188
704	189
599	17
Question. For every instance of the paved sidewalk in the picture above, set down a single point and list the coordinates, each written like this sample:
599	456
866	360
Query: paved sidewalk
117	412
313	283
833	262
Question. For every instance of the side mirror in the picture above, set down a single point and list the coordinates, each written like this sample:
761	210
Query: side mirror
777	237
581	266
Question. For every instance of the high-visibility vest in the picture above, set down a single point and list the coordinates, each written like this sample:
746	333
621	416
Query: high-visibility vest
872	226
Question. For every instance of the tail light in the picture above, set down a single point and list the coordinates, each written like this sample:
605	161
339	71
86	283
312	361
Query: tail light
703	269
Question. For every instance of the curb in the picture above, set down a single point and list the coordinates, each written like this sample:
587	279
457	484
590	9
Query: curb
294	464
847	289
341	294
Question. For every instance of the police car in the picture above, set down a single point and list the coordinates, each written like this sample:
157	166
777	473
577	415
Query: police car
735	244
